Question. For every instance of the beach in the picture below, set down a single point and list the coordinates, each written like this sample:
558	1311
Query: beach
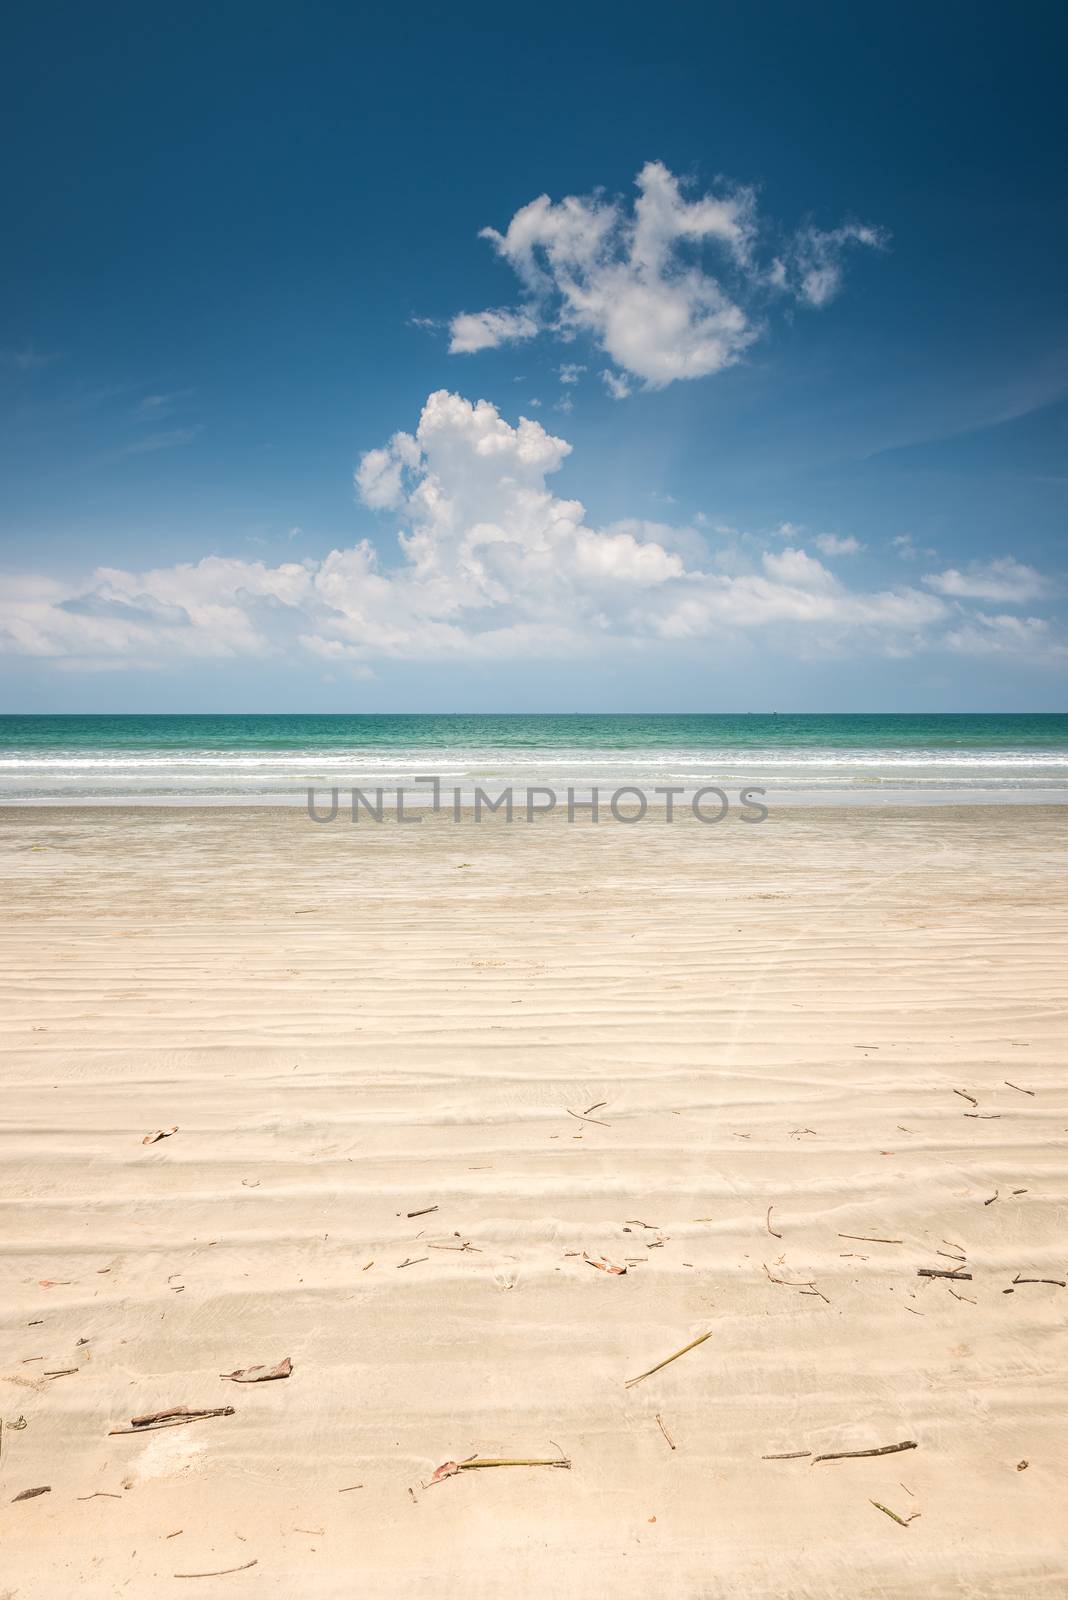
427	1083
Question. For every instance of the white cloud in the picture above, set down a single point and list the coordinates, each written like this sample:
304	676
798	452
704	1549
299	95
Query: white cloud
485	330
489	563
983	635
617	387
815	267
570	372
636	282
1006	581
832	545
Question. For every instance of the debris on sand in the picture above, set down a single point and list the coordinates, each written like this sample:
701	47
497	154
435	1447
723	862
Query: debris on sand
883	1450
902	1522
221	1572
31	1494
172	1419
701	1337
160	1133
260	1374
663	1430
449	1469
604	1265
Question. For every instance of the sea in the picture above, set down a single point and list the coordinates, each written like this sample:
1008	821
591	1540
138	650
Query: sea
795	759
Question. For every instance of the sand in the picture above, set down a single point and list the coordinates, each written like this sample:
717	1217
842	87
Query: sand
348	1025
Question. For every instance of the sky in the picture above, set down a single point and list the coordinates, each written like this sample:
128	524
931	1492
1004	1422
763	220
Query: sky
712	357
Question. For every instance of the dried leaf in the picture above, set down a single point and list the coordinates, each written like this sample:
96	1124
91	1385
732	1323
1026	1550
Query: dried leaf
260	1374
604	1265
446	1470
31	1494
160	1133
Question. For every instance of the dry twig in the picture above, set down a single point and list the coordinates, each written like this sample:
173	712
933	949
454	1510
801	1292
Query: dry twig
663	1430
221	1573
883	1450
891	1514
701	1337
171	1419
867	1238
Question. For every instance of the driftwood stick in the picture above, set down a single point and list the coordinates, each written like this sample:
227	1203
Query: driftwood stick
883	1450
1058	1283
767	1224
940	1272
789	1455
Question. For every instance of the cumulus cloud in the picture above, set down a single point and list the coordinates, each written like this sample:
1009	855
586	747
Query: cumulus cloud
671	288
1006	581
489	563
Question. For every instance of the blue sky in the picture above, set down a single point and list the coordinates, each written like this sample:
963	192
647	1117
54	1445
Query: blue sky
239	239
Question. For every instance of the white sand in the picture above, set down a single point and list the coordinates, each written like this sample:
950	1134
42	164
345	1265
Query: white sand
348	1025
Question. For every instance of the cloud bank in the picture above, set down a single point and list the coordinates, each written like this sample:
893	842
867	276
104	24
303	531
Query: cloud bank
672	288
491	564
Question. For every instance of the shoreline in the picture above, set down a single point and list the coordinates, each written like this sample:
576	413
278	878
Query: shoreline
777	799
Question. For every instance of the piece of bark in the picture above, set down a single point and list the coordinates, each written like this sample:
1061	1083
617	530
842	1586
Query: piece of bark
31	1494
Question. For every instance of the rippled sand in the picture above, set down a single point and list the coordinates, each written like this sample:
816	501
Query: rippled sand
554	1042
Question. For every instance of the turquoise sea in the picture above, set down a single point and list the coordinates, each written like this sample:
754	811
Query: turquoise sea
218	758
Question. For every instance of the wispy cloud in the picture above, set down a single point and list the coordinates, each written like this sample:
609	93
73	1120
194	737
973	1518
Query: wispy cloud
833	544
28	358
1006	581
154	407
166	439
